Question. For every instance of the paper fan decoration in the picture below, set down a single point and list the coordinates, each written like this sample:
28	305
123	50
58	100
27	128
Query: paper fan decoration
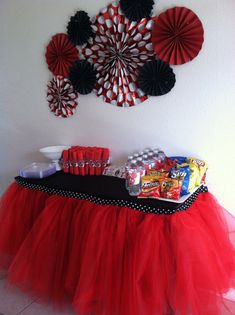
177	35
79	28
61	97
156	78
60	54
120	47
83	77
135	10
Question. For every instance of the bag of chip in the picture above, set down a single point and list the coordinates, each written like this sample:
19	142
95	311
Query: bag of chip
202	166
150	187
166	165
182	173
170	188
194	174
179	159
161	173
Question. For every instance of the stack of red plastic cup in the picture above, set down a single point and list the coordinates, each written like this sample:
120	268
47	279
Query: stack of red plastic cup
85	160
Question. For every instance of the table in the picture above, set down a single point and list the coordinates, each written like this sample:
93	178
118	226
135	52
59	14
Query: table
84	241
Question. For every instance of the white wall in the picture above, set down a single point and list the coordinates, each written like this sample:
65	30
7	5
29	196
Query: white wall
196	118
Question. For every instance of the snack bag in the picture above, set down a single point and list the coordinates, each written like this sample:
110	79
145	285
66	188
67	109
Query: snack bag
171	188
150	187
194	174
179	159
182	173
202	166
166	165
161	173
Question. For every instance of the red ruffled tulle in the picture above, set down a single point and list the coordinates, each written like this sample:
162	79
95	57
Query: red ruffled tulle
111	260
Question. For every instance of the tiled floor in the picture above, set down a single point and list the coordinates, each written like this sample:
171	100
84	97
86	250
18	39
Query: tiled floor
13	302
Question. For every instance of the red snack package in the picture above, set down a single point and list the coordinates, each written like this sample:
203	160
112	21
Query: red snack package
171	188
150	187
166	165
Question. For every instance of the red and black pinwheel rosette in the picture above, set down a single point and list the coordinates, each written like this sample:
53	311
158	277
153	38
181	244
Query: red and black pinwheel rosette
156	78
83	76
177	35
79	28
135	10
60	54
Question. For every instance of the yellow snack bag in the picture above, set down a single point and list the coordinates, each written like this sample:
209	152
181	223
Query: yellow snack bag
202	166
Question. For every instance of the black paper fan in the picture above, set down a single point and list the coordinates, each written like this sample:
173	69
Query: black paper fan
135	10
83	76
156	78
79	28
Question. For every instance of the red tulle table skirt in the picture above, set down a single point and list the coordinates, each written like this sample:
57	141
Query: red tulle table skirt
113	260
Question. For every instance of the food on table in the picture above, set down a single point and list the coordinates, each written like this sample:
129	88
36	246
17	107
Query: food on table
182	173
171	188
150	187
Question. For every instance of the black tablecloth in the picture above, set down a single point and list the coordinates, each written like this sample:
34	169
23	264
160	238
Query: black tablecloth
106	188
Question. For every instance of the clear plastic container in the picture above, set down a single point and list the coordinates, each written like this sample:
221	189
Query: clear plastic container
38	170
133	178
151	160
141	167
146	162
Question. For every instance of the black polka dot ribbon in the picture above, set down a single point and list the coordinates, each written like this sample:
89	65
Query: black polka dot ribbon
118	202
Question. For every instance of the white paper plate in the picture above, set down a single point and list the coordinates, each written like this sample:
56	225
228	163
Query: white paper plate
182	199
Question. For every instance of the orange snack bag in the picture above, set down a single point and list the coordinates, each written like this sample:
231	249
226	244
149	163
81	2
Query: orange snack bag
161	173
150	187
171	188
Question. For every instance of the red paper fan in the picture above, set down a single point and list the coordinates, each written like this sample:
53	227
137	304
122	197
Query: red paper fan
119	48
61	54
177	35
61	96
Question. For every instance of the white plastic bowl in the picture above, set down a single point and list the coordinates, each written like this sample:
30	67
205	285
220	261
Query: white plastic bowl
54	153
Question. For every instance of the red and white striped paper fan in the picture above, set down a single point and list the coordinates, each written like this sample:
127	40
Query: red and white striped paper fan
61	97
119	48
